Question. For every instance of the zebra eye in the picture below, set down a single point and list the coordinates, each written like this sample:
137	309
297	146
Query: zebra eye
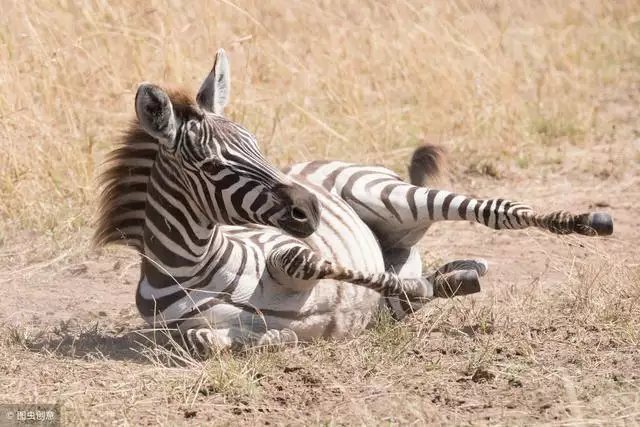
212	166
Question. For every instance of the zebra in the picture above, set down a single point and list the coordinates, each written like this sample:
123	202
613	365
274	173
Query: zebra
236	253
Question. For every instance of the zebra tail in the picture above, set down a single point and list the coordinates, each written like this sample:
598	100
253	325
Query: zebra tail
426	162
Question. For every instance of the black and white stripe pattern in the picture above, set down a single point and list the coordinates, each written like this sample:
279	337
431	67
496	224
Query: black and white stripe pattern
237	252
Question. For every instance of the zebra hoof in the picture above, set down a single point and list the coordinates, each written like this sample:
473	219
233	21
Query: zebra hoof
594	224
478	264
601	222
278	338
456	283
482	267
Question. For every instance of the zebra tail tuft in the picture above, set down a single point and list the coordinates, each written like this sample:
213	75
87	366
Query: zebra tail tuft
426	162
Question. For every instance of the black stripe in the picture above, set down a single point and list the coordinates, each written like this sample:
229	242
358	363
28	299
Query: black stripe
330	180
347	193
498	206
431	196
270	212
220	261
169	258
516	213
177	215
411	201
486	214
231	287
193	182
445	205
224	183
237	198
156	306
384	195
227	182
258	202
462	209
376	181
476	209
196	311
507	215
340	210
310	168
295	263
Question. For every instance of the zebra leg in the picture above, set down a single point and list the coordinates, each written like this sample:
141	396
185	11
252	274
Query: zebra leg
407	262
400	213
300	263
206	342
278	338
450	273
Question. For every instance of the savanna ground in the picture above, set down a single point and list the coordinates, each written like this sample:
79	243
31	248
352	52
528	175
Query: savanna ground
534	101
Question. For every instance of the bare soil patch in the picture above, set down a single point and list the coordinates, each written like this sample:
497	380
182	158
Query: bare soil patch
552	338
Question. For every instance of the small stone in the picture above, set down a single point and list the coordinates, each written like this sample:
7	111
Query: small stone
482	375
515	383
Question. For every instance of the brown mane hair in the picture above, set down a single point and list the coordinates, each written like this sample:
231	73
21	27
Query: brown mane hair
123	180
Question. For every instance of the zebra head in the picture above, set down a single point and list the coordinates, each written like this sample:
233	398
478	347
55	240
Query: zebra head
216	163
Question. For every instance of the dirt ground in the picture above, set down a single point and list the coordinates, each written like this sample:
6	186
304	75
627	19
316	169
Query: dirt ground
552	338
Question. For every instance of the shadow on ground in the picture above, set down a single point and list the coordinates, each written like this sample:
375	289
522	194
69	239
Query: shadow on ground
70	340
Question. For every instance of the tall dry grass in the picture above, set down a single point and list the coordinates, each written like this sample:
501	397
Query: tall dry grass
505	85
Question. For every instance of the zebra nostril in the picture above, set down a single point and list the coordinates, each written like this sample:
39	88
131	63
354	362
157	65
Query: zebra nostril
298	214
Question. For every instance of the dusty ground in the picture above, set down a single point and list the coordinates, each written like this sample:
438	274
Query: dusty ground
535	101
553	338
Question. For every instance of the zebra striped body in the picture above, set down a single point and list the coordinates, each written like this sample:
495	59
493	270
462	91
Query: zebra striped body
237	252
233	283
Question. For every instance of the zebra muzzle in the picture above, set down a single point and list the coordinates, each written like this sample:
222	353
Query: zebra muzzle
300	211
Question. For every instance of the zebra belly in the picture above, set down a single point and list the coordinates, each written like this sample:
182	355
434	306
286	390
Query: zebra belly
344	238
331	309
326	307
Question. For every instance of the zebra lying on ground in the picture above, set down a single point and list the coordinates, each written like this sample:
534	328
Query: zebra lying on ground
236	252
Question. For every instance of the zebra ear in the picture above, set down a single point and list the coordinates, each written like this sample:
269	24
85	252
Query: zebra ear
155	113
213	95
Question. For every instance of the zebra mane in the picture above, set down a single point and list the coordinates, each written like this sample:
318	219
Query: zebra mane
123	180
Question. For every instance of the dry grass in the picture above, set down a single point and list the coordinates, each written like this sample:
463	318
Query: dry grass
500	83
540	94
567	356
